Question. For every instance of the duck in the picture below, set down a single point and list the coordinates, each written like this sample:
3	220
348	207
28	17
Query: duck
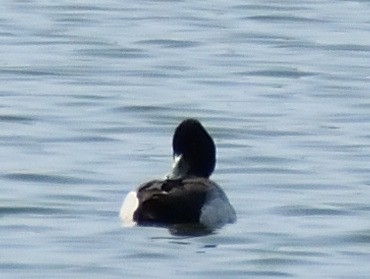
186	195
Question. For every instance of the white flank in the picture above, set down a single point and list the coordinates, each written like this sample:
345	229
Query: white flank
129	206
217	211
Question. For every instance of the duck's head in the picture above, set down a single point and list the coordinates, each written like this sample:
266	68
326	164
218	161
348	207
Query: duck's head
194	151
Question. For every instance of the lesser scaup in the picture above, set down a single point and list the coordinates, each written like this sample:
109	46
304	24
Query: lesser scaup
186	194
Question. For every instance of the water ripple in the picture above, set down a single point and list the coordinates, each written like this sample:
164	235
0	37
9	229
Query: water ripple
285	19
169	43
48	178
298	210
280	73
17	118
7	210
114	53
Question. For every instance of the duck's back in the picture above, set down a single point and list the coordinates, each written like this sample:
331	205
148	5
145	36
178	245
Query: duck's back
171	201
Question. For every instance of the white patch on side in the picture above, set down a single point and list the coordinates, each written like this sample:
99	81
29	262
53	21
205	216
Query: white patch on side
217	211
129	206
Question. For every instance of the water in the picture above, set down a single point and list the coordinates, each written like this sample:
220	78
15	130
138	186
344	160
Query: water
91	92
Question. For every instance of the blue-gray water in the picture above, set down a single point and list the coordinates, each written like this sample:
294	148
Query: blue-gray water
90	93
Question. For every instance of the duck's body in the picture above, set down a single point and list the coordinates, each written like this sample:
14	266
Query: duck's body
186	195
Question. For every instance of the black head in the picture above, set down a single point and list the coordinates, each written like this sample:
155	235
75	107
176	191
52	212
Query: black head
196	146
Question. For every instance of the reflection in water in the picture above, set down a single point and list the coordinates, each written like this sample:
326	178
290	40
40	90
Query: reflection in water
190	230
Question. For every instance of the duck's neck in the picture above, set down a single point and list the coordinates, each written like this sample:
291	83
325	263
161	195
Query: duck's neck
180	168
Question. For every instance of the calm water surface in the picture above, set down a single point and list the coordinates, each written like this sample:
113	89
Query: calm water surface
90	94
